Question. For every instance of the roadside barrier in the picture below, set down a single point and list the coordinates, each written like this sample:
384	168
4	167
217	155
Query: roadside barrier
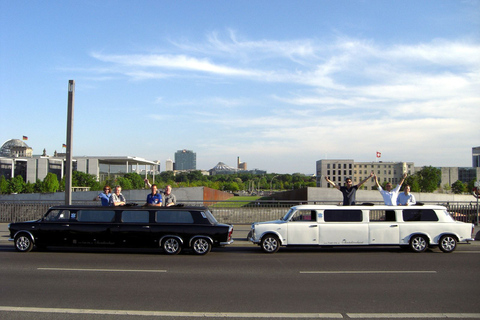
233	212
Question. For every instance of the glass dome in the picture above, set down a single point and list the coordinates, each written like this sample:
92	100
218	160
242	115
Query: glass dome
6	149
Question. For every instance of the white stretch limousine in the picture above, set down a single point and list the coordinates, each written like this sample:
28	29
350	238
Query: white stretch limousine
417	227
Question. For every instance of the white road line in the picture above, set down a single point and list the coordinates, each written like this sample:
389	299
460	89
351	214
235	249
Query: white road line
414	315
179	314
174	314
100	270
365	272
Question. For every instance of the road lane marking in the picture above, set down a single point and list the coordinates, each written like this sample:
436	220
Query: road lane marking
174	314
414	315
179	314
366	272
100	270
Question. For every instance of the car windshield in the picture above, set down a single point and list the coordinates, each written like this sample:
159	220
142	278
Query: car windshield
289	214
210	217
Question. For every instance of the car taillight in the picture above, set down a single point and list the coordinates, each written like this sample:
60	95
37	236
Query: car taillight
230	231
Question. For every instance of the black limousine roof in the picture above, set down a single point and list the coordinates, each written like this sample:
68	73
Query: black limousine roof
129	207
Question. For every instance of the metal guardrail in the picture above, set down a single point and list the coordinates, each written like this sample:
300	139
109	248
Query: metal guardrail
234	212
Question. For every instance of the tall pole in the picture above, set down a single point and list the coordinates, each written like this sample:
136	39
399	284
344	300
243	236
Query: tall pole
68	170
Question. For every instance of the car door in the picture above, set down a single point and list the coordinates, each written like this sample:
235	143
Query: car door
302	228
93	227
343	227
54	229
133	230
383	227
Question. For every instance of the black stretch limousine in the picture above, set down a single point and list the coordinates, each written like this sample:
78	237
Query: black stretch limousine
171	228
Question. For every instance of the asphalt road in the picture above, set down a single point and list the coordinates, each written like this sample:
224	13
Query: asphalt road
239	282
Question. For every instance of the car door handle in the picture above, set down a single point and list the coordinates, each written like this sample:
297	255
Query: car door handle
146	227
313	226
65	225
394	226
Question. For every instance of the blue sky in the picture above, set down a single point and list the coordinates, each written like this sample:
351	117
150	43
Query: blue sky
281	84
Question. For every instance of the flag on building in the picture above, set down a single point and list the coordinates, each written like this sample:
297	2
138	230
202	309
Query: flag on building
379	154
64	145
25	138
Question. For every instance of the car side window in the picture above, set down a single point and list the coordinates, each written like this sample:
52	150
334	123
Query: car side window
419	215
96	216
382	215
174	216
57	215
343	215
305	216
135	216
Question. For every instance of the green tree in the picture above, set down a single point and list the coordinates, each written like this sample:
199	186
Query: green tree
82	179
429	178
125	183
16	185
50	183
471	185
458	187
136	180
29	187
38	187
447	188
413	182
165	176
3	185
231	186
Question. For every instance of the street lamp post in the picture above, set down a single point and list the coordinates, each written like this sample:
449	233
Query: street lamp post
68	173
476	194
271	183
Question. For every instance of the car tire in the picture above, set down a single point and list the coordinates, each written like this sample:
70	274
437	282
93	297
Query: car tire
201	246
23	242
447	243
270	243
418	243
171	246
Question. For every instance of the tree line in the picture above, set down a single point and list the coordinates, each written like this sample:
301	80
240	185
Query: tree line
132	181
426	180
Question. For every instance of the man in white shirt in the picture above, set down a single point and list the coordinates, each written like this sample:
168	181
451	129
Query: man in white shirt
389	195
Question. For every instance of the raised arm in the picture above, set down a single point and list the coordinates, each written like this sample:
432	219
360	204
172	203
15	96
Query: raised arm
366	179
376	181
332	183
404	177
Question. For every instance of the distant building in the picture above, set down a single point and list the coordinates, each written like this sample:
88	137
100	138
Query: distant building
450	175
241	165
338	170
476	157
185	160
222	168
15	148
16	159
169	165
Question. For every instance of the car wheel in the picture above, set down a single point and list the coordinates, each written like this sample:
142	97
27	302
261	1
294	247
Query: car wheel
201	246
418	243
270	243
172	246
23	242
447	243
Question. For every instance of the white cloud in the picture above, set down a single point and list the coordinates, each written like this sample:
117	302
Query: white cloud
348	98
